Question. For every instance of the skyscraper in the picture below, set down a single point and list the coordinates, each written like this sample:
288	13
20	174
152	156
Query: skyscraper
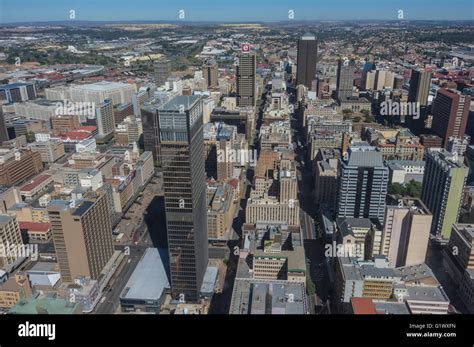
345	78
419	86
443	184
162	71
82	235
420	83
3	127
406	233
306	61
246	71
105	118
209	72
182	158
10	239
363	184
450	113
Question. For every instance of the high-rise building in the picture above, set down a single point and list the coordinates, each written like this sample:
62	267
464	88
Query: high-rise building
379	79
10	240
82	235
3	127
306	61
162	71
345	78
210	73
419	86
105	118
406	233
363	184
450	113
181	154
246	71
458	260
443	183
326	178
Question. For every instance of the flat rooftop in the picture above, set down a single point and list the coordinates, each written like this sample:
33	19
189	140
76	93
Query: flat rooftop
148	280
175	103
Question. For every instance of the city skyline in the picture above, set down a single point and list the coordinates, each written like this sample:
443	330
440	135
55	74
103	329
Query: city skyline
160	160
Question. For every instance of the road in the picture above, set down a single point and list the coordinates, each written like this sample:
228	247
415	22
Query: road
220	303
314	247
120	278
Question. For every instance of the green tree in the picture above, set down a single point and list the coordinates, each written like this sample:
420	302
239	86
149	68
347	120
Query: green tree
310	286
413	188
30	137
396	189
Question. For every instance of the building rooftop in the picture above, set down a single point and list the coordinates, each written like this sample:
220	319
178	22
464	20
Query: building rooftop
268	297
83	207
209	280
366	158
47	305
101	86
35	226
175	103
148	280
391	307
363	306
5	218
38	180
426	293
414	272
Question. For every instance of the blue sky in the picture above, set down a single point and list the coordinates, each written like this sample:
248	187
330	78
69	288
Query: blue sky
232	10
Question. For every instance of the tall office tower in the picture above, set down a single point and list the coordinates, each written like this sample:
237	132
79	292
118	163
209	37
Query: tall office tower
306	60
345	79
450	113
3	127
419	86
10	240
162	71
246	71
105	118
443	184
406	233
458	260
379	79
182	158
462	240
82	235
420	83
209	72
363	184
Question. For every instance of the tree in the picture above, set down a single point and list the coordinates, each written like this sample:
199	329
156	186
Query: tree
413	188
310	286
396	189
30	137
369	119
347	111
